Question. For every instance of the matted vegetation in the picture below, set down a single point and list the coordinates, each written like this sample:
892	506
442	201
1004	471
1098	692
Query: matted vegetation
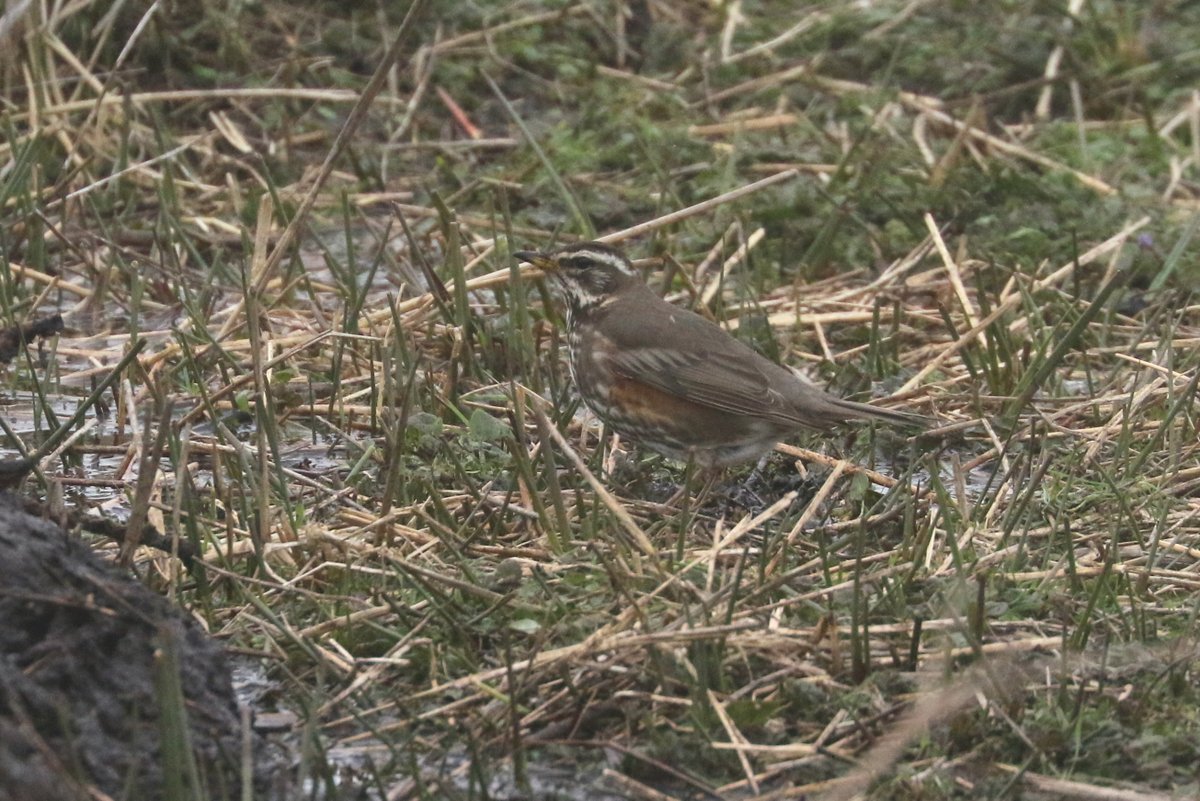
354	406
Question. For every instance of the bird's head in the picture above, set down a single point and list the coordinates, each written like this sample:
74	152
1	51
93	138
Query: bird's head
589	272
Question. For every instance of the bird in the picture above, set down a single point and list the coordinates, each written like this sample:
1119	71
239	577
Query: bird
673	380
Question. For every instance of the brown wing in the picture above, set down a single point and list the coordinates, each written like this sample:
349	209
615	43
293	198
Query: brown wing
729	380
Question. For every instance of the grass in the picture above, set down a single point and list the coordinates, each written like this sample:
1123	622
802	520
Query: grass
403	515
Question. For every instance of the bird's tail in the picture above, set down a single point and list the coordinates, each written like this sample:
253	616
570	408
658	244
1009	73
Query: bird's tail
863	411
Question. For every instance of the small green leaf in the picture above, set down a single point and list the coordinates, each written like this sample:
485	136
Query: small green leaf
425	423
525	625
747	713
483	427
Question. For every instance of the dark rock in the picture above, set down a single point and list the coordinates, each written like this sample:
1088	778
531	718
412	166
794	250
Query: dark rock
89	659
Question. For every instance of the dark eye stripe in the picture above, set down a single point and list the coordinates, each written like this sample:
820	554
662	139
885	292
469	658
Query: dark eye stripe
581	262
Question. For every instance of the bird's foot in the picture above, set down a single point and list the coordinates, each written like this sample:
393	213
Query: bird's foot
684	500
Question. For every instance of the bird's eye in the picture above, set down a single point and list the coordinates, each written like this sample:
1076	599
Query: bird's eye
580	263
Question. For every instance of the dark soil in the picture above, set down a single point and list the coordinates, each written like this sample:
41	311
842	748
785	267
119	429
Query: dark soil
86	655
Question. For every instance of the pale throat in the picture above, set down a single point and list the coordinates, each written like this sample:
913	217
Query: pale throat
584	295
581	302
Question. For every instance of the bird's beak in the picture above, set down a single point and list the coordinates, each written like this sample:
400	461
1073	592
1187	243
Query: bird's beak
540	260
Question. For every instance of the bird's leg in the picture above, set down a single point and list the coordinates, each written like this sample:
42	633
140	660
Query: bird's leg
757	473
745	494
684	490
710	476
619	462
614	456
